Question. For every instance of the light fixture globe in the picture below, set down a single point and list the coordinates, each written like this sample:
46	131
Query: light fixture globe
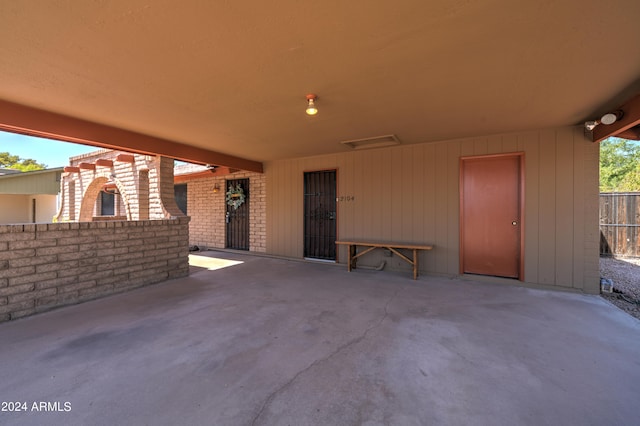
311	105
611	117
608	119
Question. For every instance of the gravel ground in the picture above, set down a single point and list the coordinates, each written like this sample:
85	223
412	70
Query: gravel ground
625	274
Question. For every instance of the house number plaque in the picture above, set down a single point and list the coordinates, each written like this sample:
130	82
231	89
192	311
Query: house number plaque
344	198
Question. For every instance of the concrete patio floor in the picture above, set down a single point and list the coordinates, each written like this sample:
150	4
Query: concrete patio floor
277	342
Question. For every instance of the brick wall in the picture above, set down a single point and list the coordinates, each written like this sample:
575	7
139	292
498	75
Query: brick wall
207	210
43	266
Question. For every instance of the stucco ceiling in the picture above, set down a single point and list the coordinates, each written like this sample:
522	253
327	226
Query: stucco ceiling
232	76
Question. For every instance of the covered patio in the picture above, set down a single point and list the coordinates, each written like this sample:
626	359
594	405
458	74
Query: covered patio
408	95
257	340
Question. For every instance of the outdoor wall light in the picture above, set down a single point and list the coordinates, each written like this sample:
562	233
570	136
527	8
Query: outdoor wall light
611	117
606	119
590	125
216	188
311	105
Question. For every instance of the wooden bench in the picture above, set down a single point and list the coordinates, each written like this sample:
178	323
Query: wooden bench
353	255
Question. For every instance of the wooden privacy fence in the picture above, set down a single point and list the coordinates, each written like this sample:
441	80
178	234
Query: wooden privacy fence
619	223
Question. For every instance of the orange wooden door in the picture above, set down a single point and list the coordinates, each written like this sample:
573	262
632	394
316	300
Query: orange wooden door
490	203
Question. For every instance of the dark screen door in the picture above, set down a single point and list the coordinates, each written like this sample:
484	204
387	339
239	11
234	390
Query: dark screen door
320	215
238	219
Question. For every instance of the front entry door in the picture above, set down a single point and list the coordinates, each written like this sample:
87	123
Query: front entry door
320	215
237	219
491	205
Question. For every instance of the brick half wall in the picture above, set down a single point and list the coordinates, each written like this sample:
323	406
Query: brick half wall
44	266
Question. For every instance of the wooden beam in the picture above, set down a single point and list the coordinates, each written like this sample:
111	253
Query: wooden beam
125	158
217	172
632	133
631	118
71	169
87	166
102	162
17	118
192	176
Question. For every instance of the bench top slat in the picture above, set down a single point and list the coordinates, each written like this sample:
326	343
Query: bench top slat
394	245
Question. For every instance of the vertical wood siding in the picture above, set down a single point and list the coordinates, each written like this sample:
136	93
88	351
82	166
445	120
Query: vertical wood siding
411	194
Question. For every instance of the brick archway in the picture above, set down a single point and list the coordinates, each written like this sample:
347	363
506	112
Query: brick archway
145	186
91	194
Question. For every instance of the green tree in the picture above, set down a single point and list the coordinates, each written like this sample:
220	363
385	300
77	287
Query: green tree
619	165
9	161
631	181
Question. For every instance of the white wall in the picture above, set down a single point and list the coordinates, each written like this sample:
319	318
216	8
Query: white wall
14	209
18	208
46	208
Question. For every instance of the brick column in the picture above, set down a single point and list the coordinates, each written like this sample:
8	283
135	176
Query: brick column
164	171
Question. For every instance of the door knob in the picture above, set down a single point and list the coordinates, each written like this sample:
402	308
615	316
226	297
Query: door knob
514	223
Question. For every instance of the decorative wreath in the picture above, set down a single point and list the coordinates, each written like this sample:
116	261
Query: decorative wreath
235	196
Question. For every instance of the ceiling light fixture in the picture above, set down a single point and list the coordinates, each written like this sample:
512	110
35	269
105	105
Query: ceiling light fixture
311	105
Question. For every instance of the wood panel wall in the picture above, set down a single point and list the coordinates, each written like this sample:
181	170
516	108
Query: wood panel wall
410	194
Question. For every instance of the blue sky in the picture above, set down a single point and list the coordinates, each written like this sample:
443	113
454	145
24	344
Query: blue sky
51	153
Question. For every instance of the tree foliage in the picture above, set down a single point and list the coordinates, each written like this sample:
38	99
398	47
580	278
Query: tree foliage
619	165
9	161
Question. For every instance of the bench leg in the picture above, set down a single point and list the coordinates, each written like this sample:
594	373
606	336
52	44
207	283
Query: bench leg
350	254
415	264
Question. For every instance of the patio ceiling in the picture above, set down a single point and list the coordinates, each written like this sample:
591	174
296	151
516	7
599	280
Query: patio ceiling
231	77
